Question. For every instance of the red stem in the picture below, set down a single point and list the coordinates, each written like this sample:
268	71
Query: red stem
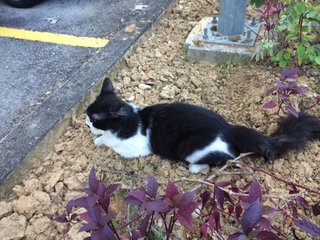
114	230
171	225
279	178
123	226
149	228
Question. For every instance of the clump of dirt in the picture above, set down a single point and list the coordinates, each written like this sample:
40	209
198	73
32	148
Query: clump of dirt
157	71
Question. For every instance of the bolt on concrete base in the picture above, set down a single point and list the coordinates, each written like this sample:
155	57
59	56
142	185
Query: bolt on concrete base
200	50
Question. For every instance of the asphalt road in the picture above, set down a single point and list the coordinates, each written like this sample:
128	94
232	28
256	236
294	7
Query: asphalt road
42	79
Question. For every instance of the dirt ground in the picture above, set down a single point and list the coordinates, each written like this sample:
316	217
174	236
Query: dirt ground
158	71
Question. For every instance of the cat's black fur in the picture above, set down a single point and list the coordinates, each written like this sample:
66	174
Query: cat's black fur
177	130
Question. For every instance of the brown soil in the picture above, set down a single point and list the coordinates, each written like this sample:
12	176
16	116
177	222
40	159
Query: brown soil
158	71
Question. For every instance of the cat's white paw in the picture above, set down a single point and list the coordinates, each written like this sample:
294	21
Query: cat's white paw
99	141
196	168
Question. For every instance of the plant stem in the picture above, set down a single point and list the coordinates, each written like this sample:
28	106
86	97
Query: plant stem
165	223
278	231
150	225
171	225
114	230
237	162
247	195
128	223
279	178
280	105
300	28
312	106
219	171
230	192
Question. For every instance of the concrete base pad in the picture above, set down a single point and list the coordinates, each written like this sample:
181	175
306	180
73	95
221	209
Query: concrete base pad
214	53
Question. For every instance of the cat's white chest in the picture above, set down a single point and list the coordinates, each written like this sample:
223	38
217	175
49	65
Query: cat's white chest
135	146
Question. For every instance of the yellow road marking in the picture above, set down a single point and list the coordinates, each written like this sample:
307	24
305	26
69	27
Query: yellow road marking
53	38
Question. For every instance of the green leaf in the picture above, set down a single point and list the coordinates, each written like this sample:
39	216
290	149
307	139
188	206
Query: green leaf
301	52
300	8
314	24
291	36
291	19
293	28
311	51
294	13
307	44
317	60
281	28
270	52
286	56
258	3
309	38
312	14
306	29
278	56
282	62
289	8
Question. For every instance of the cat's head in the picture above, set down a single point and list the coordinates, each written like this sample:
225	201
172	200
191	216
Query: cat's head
104	112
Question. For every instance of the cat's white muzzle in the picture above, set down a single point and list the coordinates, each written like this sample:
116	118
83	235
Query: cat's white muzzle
95	131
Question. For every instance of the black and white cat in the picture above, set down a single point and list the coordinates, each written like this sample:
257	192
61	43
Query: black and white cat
189	133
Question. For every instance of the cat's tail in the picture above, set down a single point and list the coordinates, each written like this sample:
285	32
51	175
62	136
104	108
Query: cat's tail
295	133
292	133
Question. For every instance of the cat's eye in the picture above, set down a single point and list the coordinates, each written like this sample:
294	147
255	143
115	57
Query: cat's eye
92	119
113	110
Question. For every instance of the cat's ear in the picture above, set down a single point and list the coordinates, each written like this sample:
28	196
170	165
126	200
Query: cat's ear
107	87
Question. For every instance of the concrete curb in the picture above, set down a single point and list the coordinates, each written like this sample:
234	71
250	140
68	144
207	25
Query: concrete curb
18	147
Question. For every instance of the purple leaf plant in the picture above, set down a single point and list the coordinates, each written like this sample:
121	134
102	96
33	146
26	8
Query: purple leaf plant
171	207
247	206
98	216
219	200
270	15
308	227
284	88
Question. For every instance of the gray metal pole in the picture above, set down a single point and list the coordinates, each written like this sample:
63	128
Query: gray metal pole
231	17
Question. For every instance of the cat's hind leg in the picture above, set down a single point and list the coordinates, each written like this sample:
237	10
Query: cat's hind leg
196	168
200	151
212	159
215	159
